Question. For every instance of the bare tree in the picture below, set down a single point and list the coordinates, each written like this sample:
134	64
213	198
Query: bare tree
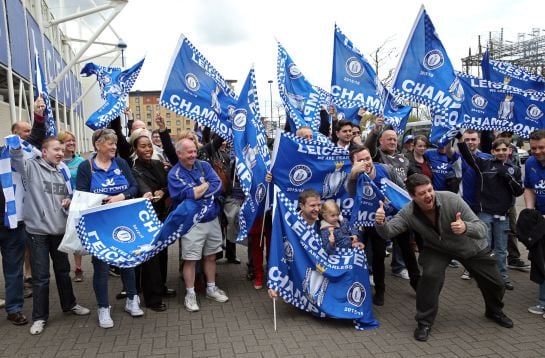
382	56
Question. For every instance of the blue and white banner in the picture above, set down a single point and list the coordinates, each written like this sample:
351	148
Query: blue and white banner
300	164
302	100
499	71
252	155
355	84
115	86
195	89
6	179
41	89
305	276
425	75
497	106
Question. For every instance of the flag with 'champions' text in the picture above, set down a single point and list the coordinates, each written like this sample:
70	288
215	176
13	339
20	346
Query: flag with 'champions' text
499	71
195	89
304	275
252	155
115	86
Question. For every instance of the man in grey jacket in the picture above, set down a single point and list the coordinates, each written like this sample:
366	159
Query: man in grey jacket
449	230
44	214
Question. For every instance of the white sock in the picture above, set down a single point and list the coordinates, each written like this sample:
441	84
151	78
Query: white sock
190	290
210	286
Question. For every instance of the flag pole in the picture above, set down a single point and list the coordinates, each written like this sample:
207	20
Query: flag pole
274	313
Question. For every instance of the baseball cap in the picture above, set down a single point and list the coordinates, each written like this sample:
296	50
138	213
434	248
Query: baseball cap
408	139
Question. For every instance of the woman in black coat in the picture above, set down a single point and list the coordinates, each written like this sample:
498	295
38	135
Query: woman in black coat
151	176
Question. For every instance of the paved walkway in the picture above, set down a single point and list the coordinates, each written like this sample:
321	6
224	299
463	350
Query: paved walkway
243	327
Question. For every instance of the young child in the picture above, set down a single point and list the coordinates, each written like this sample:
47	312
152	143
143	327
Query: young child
335	233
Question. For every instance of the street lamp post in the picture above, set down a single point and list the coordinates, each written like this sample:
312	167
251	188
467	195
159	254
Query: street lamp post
270	93
122	46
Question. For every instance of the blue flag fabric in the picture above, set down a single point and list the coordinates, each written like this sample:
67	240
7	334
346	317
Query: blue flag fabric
50	128
305	276
302	100
115	86
252	155
6	179
195	89
499	71
425	75
179	221
300	164
355	84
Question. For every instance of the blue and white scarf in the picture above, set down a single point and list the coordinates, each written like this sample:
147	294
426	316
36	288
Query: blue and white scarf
195	89
305	276
252	155
115	86
41	89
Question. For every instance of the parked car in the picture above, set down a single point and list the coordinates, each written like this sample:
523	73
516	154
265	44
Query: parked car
523	154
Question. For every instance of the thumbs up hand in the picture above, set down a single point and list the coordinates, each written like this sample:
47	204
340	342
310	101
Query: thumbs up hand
380	215
458	226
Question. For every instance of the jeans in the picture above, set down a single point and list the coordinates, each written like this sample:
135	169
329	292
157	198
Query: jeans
542	294
498	228
41	248
12	247
100	282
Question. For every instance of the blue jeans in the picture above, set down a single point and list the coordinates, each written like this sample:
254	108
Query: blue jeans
12	247
100	282
41	248
498	229
542	294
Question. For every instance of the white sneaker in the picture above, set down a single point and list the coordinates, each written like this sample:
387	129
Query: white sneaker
216	294
133	306
2	303
371	280
191	302
37	327
538	309
104	318
80	310
404	274
466	275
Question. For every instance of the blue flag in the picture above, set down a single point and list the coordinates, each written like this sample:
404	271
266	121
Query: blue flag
425	75
114	85
300	164
302	100
499	71
252	155
355	84
41	89
304	275
195	89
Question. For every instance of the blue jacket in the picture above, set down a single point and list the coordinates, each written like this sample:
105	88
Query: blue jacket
343	236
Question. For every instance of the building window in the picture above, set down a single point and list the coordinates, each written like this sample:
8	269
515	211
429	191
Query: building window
149	124
178	130
178	122
137	108
148	116
137	99
157	107
148	108
168	115
188	122
138	116
169	123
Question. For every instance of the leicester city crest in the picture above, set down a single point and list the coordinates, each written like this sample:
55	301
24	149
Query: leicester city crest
288	251
333	182
433	60
192	82
239	119
354	67
314	285
356	294
368	191
260	193
300	174
479	101
533	112
123	234
294	71
456	90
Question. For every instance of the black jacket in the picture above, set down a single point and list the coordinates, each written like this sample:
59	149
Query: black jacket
151	176
531	232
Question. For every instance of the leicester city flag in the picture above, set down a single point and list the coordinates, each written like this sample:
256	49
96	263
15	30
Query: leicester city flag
305	276
252	155
354	84
194	88
499	71
301	99
425	75
300	164
115	86
366	202
50	129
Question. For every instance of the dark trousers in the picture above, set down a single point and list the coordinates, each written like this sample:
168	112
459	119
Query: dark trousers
483	267
12	247
404	242
512	241
41	248
153	278
375	248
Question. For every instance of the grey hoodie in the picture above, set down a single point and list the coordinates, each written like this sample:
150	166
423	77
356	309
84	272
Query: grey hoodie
45	189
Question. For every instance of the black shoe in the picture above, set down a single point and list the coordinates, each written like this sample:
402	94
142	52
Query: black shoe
422	332
17	319
508	285
169	293
160	307
500	318
121	295
378	299
518	264
234	260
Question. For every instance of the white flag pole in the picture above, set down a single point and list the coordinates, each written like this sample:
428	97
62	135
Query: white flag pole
274	313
